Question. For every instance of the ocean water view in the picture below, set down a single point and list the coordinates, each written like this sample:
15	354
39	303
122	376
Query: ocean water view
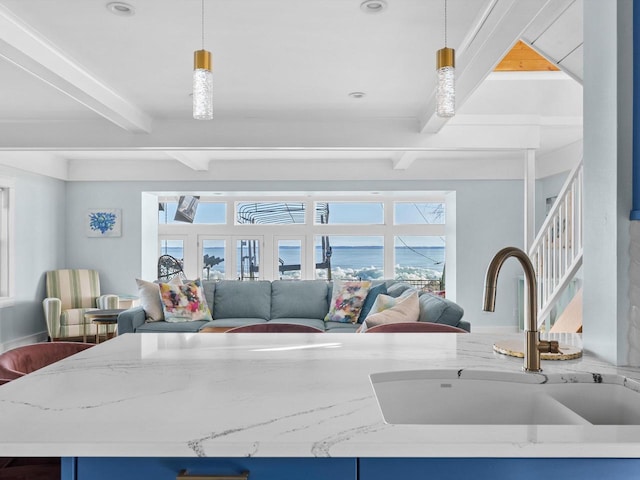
364	262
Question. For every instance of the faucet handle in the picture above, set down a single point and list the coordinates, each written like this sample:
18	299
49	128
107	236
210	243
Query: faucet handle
549	346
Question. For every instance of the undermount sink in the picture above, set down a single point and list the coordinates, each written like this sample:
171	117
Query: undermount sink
452	397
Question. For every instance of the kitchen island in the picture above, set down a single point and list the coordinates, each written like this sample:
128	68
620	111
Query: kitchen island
289	402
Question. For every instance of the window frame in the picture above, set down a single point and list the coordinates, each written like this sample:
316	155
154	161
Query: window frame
7	241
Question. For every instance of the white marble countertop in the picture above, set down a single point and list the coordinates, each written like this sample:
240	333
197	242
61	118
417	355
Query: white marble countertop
272	395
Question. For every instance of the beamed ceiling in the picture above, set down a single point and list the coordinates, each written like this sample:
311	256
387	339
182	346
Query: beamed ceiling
89	95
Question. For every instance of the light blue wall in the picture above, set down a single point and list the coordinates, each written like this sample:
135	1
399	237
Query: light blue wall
40	218
489	217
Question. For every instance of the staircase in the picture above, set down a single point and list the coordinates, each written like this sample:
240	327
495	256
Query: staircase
556	252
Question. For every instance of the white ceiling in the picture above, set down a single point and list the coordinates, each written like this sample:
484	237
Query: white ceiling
82	89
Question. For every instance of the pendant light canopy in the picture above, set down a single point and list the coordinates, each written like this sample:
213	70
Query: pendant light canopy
445	65
202	81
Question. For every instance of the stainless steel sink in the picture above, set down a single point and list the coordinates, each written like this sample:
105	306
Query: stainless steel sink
437	397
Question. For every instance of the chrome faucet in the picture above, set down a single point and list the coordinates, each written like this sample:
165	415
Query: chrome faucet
532	344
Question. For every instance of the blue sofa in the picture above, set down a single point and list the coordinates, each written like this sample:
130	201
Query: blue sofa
234	303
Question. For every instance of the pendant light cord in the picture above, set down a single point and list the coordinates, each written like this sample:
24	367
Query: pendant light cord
445	23
203	25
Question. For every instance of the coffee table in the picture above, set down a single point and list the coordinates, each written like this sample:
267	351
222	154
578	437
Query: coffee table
101	317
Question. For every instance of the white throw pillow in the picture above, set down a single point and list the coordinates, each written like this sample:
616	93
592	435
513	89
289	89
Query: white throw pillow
406	308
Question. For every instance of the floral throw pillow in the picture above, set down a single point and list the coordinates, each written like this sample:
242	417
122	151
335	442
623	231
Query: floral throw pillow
346	301
184	303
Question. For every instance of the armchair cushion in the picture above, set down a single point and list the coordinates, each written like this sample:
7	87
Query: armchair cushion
72	322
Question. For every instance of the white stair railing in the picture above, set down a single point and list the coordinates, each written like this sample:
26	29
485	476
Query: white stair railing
556	252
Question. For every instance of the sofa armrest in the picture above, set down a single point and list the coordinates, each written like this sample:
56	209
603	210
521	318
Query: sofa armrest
440	310
130	320
463	324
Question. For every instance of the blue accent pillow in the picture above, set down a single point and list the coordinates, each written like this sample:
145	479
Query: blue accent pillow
371	299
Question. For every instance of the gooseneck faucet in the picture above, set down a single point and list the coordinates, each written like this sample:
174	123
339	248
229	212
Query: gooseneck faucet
532	344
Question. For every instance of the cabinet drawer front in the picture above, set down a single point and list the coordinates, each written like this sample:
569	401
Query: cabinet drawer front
499	468
94	468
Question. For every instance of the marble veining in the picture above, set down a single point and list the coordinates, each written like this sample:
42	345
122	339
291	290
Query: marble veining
281	395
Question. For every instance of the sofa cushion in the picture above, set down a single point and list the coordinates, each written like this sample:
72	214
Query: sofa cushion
307	299
235	299
209	288
439	310
311	322
162	327
234	322
339	327
397	289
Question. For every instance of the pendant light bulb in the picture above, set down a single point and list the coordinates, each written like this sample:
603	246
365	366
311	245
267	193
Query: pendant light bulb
202	81
202	85
446	69
446	90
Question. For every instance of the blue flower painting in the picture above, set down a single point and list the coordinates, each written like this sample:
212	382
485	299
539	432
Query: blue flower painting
104	222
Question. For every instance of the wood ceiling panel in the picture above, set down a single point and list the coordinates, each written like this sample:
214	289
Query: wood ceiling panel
522	58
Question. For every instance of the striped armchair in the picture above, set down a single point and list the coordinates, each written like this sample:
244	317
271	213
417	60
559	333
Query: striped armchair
70	294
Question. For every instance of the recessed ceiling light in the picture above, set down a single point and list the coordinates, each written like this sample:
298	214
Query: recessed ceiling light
373	6
357	94
120	8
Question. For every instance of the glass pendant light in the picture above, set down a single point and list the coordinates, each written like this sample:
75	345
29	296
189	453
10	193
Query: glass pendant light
445	64
202	81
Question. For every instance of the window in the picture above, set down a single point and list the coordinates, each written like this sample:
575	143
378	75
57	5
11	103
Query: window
248	258
7	269
351	213
213	259
205	212
263	213
418	213
266	237
289	259
349	257
420	260
175	248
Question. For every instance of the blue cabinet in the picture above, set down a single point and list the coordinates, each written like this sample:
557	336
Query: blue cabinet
354	469
496	468
94	468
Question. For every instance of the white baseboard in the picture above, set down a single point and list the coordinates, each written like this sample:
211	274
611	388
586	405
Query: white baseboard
29	339
498	330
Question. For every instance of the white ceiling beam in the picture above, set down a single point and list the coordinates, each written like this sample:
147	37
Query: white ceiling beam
25	47
43	163
190	160
403	160
256	134
496	30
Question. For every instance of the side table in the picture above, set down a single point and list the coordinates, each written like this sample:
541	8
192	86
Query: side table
128	301
100	317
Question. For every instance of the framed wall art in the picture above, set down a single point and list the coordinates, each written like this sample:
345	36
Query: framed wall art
104	222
